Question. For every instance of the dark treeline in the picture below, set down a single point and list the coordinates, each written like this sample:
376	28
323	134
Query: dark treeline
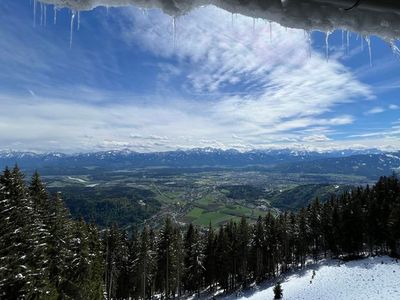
44	254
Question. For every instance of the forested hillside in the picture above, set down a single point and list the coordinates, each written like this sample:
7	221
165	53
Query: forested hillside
43	253
46	255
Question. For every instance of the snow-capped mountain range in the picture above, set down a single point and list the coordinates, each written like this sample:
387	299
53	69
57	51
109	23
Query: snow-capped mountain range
193	151
369	162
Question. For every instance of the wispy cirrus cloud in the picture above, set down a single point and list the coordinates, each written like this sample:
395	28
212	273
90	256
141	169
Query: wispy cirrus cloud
217	82
375	110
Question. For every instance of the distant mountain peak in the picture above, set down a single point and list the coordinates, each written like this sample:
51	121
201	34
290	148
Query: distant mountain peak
204	150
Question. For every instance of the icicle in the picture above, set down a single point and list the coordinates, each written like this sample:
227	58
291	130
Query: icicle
309	43
394	47
71	29
270	31
232	19
348	42
34	13
174	31
328	33
79	20
362	44
45	14
108	10
368	39
55	15
342	38
254	25
41	14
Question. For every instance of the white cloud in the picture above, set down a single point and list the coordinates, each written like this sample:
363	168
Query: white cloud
316	138
224	85
394	107
375	110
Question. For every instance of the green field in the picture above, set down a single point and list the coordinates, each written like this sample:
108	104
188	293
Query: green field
199	216
203	214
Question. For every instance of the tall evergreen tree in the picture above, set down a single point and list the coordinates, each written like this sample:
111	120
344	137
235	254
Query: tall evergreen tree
145	264
210	257
193	261
165	259
257	244
59	243
270	247
314	221
302	237
23	271
39	195
114	250
243	251
221	259
96	263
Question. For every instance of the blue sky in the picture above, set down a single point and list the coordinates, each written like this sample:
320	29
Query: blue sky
129	82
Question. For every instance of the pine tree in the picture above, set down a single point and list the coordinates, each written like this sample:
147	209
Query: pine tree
23	271
221	259
302	237
59	245
283	241
243	251
278	291
270	246
314	221
123	265
145	264
351	225
336	224
96	263
165	259
39	195
233	253
193	261
81	282
210	257
113	250
257	245
135	275
327	227
178	261
394	229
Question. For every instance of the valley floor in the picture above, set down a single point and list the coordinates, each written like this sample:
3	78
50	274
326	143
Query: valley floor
370	278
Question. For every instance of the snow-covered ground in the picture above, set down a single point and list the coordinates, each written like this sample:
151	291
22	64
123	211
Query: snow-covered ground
80	180
370	278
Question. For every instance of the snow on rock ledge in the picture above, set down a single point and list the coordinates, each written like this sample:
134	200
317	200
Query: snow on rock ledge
371	17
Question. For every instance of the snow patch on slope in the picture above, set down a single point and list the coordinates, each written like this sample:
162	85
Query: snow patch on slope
370	278
369	18
76	179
